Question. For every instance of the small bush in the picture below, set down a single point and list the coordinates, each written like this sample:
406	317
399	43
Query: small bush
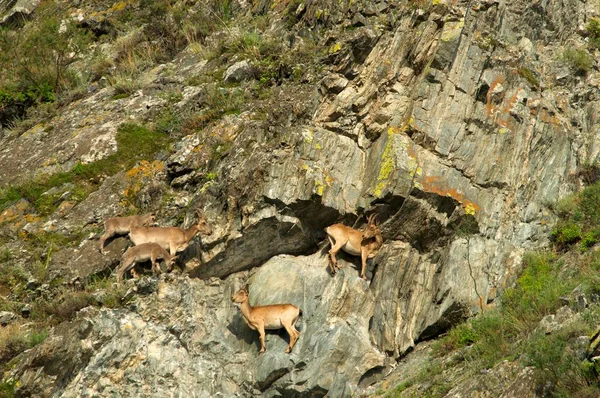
566	233
14	339
35	60
168	122
593	31
578	59
5	255
557	360
64	307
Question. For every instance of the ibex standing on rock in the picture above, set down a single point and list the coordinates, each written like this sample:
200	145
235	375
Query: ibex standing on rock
173	239
144	252
364	244
275	316
122	225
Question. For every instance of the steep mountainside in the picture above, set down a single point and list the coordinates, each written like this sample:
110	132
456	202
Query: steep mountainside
459	123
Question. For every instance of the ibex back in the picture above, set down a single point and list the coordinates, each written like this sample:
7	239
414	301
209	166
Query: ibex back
274	316
173	239
122	225
141	253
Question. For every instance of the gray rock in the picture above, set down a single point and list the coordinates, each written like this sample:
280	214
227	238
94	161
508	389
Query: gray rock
334	83
7	317
239	72
12	11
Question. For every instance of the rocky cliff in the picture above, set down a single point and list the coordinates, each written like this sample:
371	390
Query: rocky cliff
457	122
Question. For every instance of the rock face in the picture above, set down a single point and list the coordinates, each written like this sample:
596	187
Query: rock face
13	10
187	336
426	119
238	72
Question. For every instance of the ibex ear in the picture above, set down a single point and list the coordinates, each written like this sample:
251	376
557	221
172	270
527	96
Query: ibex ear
247	288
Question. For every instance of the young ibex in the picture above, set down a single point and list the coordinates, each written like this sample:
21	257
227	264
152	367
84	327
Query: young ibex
122	225
141	253
173	239
275	316
364	244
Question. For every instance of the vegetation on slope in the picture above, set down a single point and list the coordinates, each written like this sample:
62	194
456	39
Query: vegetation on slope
55	59
511	331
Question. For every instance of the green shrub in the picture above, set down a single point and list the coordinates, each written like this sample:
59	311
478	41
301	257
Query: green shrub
168	122
35	60
559	364
578	59
5	255
567	233
593	30
495	334
7	388
579	218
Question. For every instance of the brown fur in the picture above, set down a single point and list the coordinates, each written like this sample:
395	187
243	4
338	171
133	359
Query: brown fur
275	316
364	244
122	225
173	239
141	253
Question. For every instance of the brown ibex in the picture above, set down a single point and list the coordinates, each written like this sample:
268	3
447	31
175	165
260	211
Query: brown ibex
141	253
364	244
270	317
122	225
173	239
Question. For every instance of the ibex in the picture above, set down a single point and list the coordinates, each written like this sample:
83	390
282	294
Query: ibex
141	253
122	225
364	244
274	316
173	239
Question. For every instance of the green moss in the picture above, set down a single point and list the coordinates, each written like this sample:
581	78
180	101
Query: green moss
528	75
7	388
134	143
120	96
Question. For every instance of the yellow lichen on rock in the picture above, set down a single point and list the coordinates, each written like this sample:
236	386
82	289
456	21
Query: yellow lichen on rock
335	48
452	30
140	176
388	162
470	209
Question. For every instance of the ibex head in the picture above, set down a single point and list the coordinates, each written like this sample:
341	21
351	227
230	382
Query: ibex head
171	261
372	227
240	296
148	219
202	225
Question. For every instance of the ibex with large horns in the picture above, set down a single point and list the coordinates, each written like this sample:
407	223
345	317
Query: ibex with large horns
364	244
173	239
